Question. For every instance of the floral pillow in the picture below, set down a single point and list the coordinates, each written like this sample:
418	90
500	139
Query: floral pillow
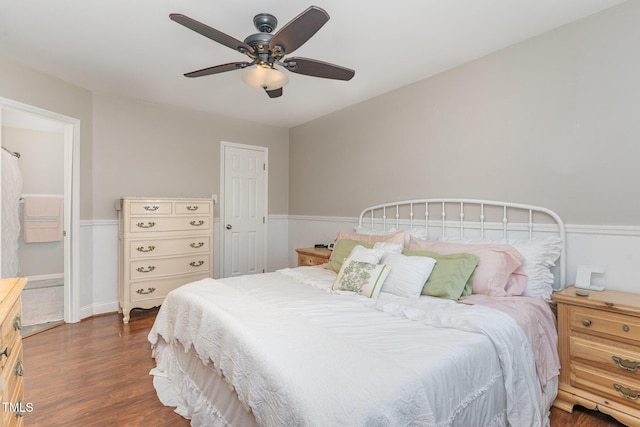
361	277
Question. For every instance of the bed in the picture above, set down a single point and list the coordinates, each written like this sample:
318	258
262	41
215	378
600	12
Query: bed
431	312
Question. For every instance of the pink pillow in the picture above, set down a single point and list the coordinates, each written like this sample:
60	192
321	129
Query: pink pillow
498	273
395	237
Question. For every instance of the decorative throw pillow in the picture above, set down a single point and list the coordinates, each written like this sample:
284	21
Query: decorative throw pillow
493	275
361	277
408	274
451	275
341	250
540	256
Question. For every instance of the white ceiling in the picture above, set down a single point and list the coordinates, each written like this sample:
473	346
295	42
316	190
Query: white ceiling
131	48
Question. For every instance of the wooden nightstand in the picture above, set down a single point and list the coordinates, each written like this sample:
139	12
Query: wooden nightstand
599	347
313	256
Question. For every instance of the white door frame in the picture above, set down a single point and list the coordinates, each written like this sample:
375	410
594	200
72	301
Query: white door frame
71	203
265	150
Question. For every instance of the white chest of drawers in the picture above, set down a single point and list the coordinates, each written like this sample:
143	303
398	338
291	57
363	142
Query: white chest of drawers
163	243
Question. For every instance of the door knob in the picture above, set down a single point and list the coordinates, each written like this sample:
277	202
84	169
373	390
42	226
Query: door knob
229	227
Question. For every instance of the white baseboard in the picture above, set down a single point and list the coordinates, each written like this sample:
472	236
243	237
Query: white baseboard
99	308
52	276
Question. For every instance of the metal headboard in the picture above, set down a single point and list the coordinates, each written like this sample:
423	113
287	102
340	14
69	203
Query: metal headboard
444	216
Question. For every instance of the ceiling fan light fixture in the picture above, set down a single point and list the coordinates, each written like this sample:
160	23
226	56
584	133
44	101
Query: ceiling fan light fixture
264	77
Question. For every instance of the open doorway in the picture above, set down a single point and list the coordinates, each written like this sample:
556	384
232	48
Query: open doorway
47	143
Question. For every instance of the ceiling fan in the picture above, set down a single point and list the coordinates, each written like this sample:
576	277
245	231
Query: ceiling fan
267	50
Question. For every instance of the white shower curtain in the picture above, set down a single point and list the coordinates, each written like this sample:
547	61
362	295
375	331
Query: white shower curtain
11	190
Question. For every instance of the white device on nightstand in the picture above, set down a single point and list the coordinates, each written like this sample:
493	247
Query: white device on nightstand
583	277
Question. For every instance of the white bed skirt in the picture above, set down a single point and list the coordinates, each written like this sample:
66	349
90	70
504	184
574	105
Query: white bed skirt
197	391
200	394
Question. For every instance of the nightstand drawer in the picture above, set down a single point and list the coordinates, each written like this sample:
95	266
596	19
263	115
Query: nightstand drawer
608	356
598	322
313	256
310	260
618	388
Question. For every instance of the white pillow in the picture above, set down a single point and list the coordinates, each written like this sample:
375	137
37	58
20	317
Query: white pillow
388	248
362	254
361	277
408	274
540	255
372	232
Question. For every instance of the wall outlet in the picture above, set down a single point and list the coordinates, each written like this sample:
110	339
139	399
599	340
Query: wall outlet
215	199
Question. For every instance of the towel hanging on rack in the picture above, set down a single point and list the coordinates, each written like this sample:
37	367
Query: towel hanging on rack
42	218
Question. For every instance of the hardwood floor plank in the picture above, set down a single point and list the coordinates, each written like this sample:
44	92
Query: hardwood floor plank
96	373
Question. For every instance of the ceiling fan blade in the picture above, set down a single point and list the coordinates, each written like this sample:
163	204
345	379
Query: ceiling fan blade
218	69
212	33
274	93
313	67
299	30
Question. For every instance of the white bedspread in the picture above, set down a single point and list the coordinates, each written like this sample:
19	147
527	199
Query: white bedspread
301	355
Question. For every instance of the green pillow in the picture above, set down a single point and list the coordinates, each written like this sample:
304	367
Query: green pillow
341	250
451	276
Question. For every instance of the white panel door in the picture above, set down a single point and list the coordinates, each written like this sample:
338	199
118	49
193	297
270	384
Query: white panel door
244	209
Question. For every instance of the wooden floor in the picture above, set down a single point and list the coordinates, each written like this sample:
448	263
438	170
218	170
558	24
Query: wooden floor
96	373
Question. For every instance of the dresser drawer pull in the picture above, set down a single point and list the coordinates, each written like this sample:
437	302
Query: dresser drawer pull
148	270
196	264
625	328
629	365
20	409
149	224
17	323
192	208
196	223
142	249
151	208
147	292
627	393
196	245
6	352
586	323
18	370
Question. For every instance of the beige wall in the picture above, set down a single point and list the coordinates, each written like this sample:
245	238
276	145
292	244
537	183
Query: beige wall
28	86
128	147
149	150
553	121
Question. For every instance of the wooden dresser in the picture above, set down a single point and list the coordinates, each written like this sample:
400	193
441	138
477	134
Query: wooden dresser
599	346
163	243
11	366
313	256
